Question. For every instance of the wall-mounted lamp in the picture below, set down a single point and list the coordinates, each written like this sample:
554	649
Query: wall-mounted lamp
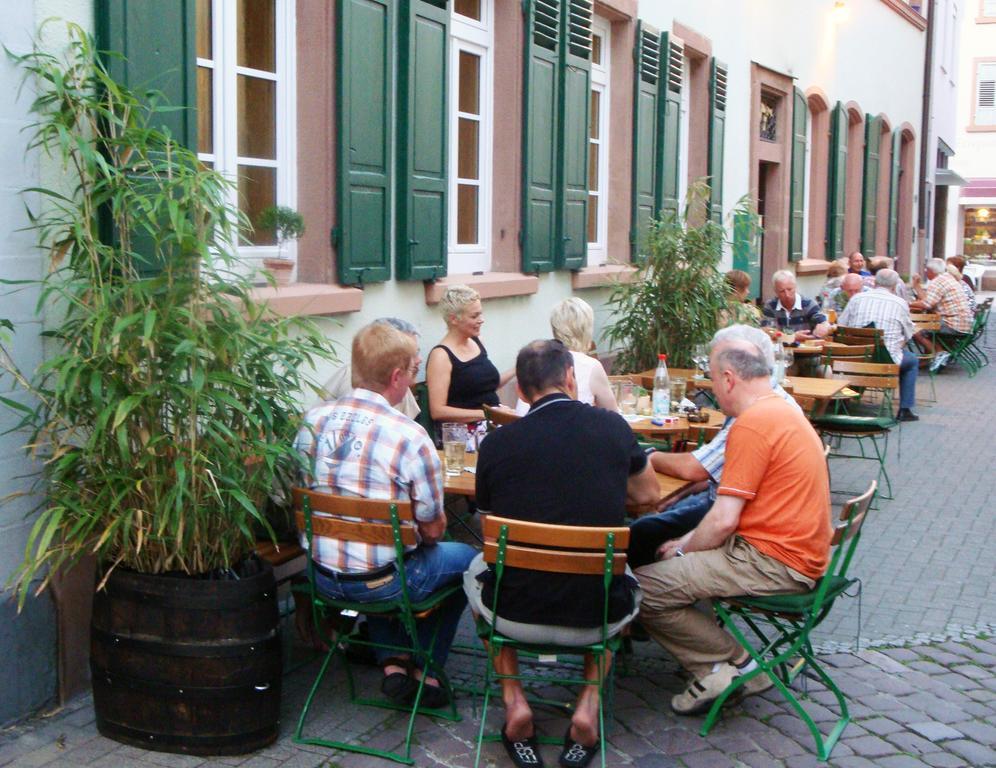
982	213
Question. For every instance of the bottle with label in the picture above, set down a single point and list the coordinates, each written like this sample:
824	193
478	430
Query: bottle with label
662	389
778	374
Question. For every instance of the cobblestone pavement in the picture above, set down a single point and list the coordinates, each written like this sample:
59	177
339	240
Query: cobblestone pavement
922	688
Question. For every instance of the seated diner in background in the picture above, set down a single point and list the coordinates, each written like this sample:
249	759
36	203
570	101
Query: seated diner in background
564	463
360	445
704	465
573	324
460	376
829	296
341	382
956	267
883	309
790	312
768	533
943	295
739	307
856	264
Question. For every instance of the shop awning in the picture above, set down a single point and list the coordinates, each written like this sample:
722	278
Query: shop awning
979	188
945	177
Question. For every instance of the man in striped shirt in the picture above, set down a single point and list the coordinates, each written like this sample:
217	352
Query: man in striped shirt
790	312
944	296
360	445
887	311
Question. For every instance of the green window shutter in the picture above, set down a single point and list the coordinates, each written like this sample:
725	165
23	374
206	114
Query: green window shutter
797	204
869	192
837	177
575	101
717	133
897	143
669	124
157	41
364	93
540	131
422	122
647	58
746	248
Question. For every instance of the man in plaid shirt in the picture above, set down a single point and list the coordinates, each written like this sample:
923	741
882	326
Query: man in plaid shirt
359	445
887	311
944	296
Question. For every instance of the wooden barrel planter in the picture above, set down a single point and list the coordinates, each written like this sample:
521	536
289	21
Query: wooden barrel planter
188	665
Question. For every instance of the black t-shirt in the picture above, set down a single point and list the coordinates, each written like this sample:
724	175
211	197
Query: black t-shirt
472	382
564	463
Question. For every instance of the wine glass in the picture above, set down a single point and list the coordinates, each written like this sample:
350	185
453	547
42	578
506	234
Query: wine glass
700	356
789	359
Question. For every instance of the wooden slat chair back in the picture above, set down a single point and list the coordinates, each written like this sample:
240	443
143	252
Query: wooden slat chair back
498	417
371	526
884	376
554	548
782	624
848	351
564	549
857	335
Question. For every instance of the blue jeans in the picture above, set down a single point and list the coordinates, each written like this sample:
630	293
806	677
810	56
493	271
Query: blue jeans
427	569
908	370
648	533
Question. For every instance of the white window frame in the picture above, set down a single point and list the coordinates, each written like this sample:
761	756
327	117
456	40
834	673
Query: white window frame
476	37
601	77
684	120
225	157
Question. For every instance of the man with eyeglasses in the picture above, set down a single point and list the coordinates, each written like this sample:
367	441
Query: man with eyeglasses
360	445
341	382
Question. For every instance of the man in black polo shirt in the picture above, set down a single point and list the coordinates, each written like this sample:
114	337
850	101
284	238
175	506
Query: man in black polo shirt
564	463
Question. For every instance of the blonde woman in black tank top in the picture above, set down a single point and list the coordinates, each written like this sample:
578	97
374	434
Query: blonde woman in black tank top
459	374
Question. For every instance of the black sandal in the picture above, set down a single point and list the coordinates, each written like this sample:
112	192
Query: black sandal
523	753
576	755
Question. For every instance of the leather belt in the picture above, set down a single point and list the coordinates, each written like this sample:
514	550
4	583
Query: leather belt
376	573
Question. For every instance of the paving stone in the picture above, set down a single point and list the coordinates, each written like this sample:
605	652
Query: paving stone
656	760
709	758
880	726
936	731
977	730
759	760
870	746
912	743
943	760
900	761
975	753
852	762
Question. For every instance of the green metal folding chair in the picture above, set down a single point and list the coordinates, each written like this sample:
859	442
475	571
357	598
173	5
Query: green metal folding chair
870	433
551	549
964	348
782	646
929	324
389	523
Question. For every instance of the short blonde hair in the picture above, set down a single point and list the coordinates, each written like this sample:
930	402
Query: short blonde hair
573	322
456	299
378	350
737	279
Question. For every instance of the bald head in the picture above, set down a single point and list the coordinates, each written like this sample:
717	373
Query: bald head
740	356
851	284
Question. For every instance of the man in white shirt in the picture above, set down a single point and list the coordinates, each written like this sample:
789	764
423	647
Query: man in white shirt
887	311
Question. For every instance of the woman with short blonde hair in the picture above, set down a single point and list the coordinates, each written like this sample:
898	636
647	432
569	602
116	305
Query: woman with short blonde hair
459	374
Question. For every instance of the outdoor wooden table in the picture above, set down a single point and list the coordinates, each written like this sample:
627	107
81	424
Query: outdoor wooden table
808	387
643	426
463	484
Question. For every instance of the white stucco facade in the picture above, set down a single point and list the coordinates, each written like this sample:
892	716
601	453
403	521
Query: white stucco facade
975	157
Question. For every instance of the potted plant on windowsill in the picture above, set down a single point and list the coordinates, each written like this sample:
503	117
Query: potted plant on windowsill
286	224
164	411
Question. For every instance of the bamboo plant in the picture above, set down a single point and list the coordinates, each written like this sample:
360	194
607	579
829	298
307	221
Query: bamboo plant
169	399
674	300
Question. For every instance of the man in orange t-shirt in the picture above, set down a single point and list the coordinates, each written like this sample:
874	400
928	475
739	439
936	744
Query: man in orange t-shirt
767	533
